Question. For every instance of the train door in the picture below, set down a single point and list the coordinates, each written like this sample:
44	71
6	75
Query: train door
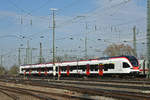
68	72
59	70
30	70
144	67
25	73
100	69
39	70
45	72
87	69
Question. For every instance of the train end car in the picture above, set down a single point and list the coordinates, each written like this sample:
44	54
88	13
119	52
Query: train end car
126	65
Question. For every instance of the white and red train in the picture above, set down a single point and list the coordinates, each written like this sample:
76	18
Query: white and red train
121	65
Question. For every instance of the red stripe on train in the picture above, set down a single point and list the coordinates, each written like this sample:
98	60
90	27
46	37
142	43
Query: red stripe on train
45	73
68	70
59	70
100	70
144	70
135	67
39	73
29	72
87	69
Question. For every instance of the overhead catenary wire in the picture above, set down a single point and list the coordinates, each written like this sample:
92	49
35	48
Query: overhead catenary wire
68	6
30	12
88	15
39	7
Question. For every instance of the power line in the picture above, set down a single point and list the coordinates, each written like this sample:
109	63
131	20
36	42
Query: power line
69	5
41	6
31	11
86	16
132	21
16	6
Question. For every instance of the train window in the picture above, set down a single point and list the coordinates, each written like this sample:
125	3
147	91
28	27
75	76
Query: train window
22	69
106	67
125	65
32	69
71	68
81	67
38	69
56	68
84	68
75	67
50	68
64	68
27	70
133	60
111	66
42	69
94	68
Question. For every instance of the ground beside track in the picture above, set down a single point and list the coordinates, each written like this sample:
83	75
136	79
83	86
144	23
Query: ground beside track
95	89
53	90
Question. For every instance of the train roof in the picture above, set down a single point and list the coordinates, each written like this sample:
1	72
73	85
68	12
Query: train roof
101	58
129	57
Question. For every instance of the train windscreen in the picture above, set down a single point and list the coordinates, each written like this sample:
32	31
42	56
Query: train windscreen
133	61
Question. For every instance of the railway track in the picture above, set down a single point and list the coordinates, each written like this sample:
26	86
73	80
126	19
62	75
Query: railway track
41	95
98	79
115	84
20	91
87	89
111	79
120	90
13	97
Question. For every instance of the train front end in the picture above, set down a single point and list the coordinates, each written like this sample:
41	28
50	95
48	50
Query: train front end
134	69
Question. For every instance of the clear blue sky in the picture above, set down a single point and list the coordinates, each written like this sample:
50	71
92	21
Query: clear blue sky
100	13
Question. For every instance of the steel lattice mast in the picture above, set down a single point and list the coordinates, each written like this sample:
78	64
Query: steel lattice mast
148	37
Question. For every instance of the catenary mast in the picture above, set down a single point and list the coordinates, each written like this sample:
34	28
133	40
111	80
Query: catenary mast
148	37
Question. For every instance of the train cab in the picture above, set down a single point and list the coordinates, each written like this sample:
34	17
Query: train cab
126	64
133	64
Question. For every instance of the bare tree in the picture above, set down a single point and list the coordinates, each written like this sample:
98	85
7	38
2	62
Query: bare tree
2	70
13	70
41	60
118	50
